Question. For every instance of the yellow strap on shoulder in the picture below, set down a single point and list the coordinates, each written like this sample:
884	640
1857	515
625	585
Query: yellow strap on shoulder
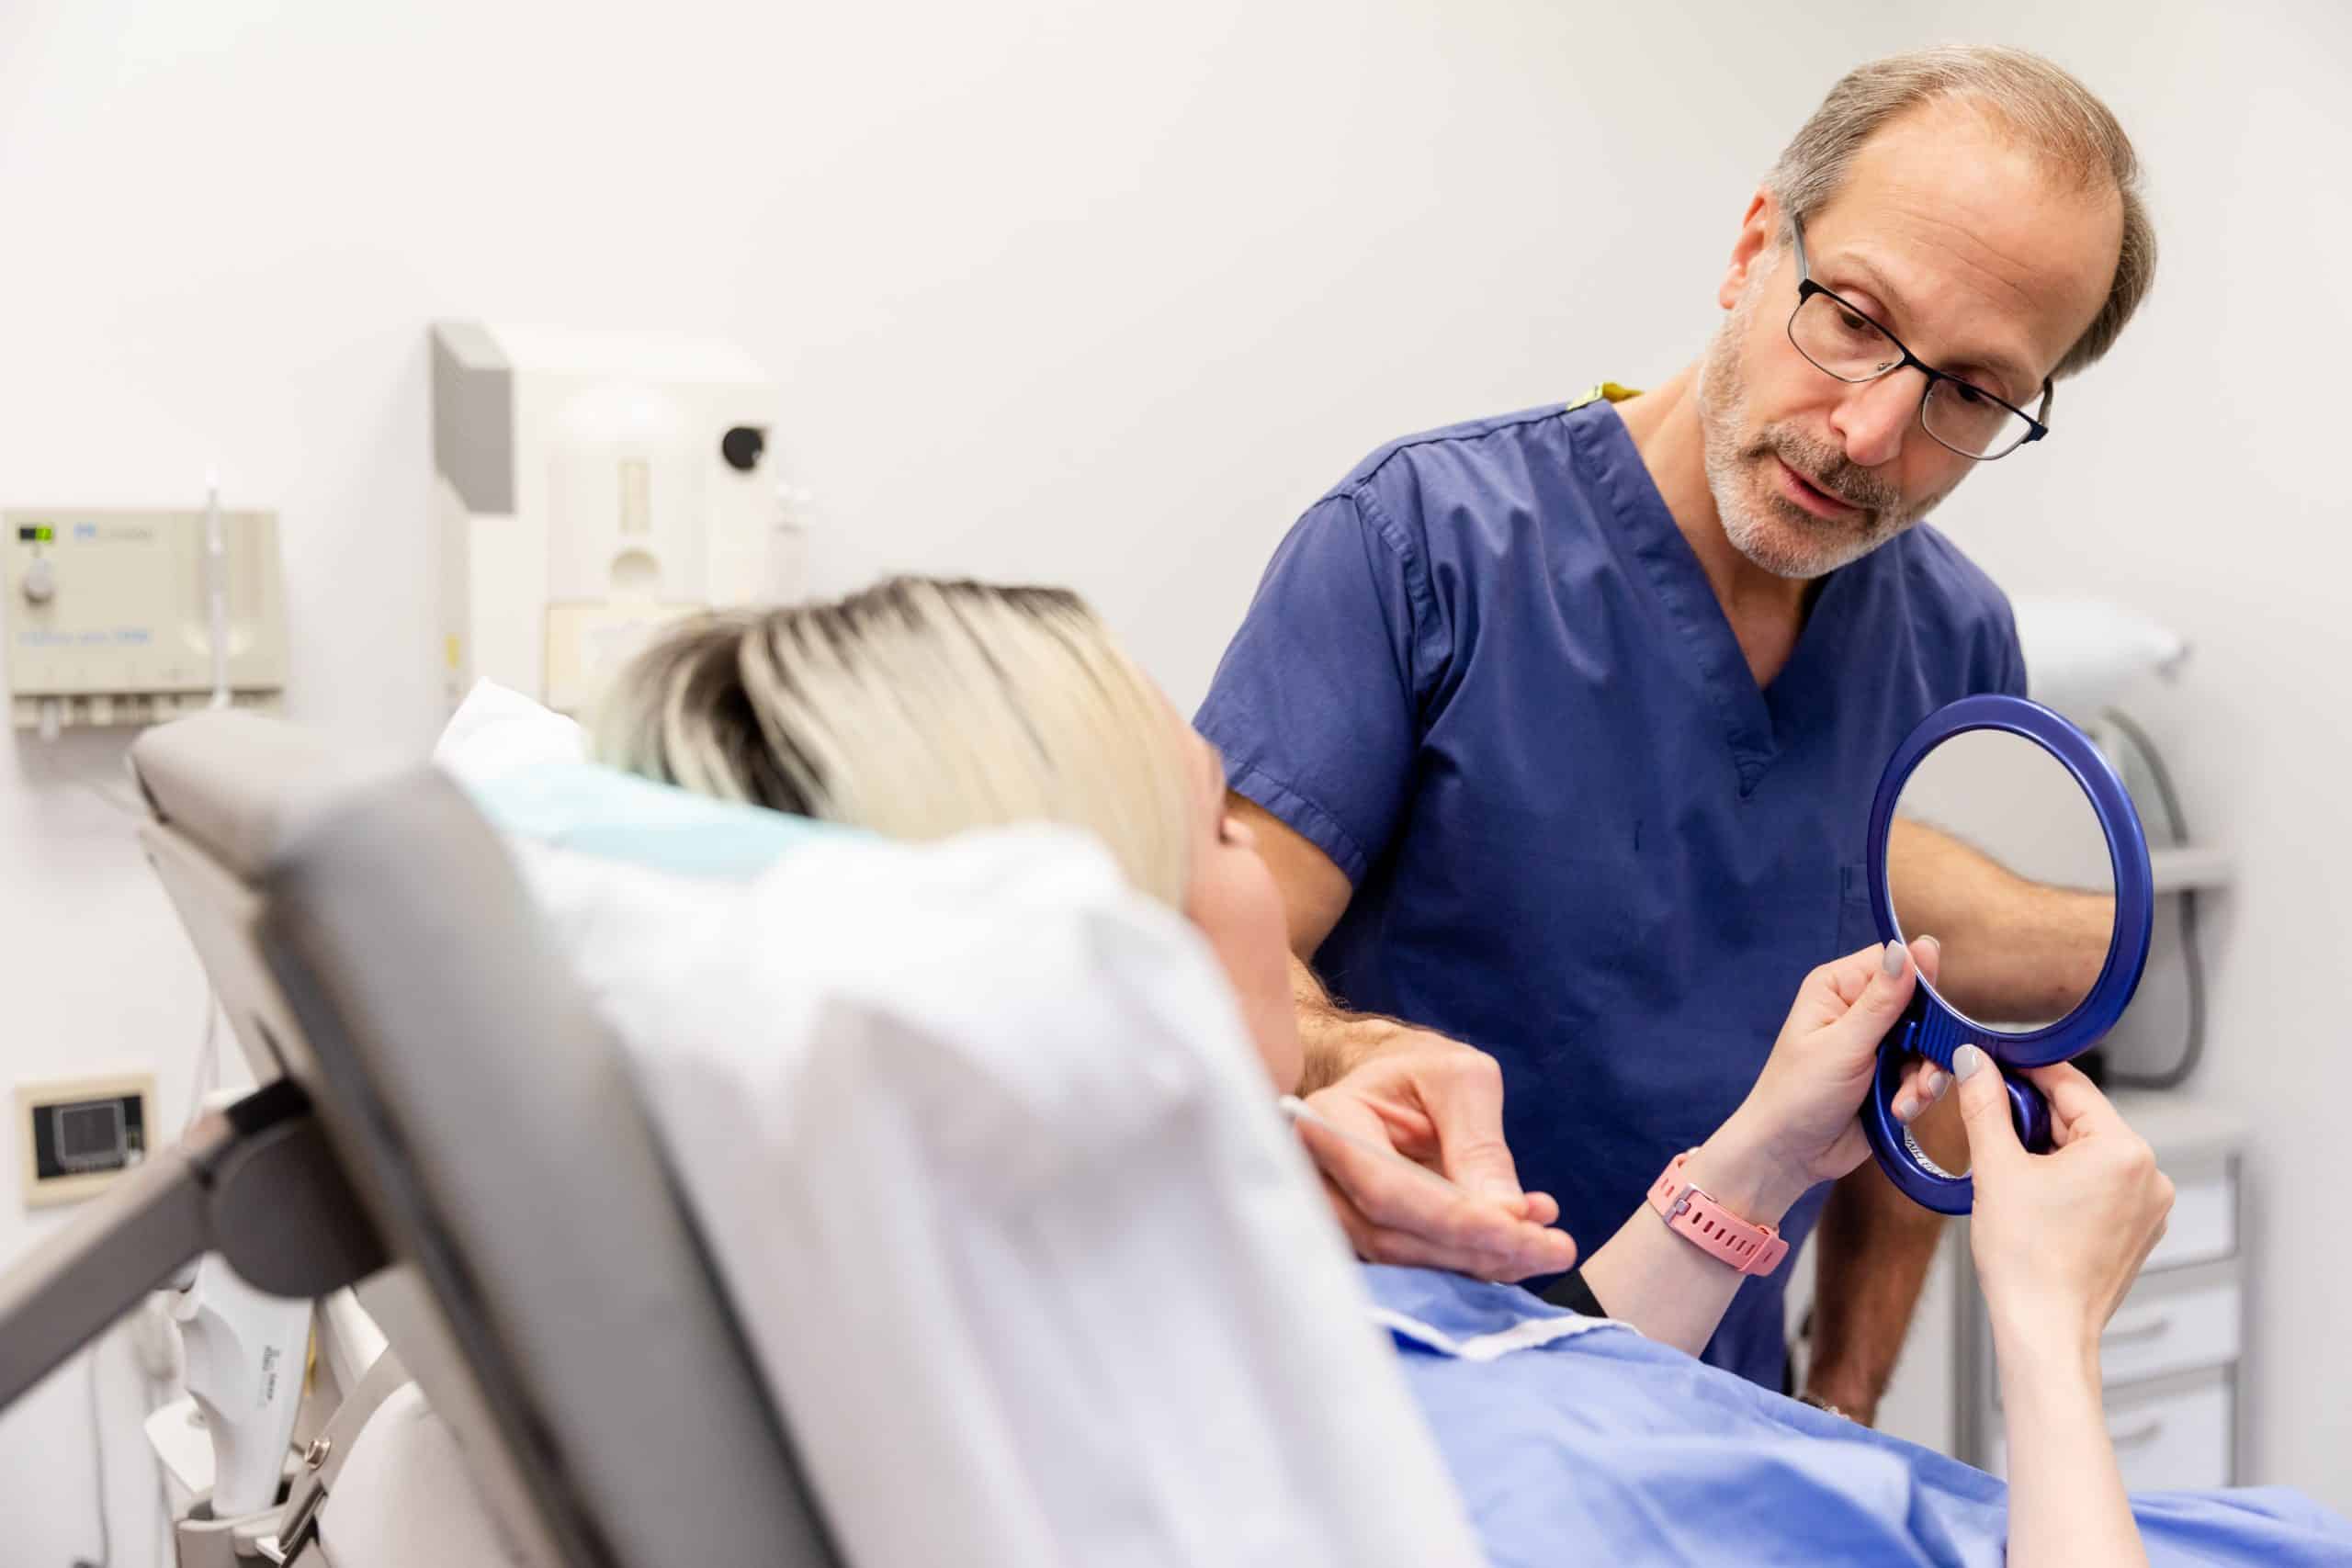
1610	390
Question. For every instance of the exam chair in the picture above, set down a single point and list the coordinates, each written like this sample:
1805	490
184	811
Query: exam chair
444	1122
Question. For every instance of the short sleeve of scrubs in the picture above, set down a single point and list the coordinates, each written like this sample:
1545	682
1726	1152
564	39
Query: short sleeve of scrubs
2013	670
1315	705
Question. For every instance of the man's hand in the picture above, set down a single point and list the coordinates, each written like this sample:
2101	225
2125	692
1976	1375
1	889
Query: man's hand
1439	1103
1434	1100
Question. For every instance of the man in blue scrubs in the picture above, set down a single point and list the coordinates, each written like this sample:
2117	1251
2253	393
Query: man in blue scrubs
1559	728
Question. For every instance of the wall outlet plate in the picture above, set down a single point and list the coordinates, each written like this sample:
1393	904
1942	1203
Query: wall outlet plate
79	1135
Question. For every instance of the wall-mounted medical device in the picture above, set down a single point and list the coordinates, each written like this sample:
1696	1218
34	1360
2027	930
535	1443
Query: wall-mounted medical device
136	616
590	487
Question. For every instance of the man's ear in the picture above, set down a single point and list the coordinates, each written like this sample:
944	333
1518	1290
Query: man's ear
1751	252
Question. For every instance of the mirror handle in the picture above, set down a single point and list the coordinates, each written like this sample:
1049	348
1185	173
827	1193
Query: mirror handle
2029	1114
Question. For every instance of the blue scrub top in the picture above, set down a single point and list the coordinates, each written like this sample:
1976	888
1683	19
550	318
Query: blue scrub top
1488	677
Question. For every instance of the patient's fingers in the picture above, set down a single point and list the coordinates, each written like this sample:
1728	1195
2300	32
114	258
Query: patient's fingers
1830	991
2077	1106
1922	1084
1847	978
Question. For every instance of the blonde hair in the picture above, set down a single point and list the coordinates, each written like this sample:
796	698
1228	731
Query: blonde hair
917	708
2052	113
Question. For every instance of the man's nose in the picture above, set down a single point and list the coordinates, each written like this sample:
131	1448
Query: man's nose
1873	418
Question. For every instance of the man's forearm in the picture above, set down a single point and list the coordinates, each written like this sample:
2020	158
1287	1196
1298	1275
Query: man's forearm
2013	950
1873	1253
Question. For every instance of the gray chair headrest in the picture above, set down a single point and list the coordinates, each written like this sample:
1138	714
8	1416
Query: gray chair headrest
240	784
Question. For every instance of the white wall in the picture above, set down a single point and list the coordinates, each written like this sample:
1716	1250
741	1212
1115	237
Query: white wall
2199	476
1103	295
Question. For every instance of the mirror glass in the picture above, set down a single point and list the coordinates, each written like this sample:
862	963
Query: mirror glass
1992	837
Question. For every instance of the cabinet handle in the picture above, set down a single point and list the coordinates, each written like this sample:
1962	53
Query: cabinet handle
2145	1431
2146	1329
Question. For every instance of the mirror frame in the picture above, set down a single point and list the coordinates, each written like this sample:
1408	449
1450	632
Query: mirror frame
1933	1028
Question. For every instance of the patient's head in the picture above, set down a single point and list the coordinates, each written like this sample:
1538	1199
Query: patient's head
921	708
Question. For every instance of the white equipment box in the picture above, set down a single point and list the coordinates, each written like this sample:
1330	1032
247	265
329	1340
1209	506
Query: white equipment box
112	615
588	488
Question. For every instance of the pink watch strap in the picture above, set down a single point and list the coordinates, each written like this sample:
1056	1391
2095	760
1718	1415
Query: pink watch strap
1714	1229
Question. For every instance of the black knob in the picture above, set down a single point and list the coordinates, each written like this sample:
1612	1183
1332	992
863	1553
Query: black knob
741	448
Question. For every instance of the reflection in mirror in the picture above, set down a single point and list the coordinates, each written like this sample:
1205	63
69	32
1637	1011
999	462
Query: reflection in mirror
1997	852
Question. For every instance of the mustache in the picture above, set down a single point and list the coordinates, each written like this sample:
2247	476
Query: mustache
1828	470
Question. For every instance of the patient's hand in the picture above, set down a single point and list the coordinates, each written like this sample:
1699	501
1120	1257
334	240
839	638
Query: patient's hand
2058	1238
1439	1104
1798	1125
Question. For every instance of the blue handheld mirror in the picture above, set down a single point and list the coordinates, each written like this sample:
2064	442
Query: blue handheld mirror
2020	771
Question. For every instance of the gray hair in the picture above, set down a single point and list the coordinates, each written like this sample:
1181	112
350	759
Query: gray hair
2054	115
917	709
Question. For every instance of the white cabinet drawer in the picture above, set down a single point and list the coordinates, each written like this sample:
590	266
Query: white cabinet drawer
2161	1329
2155	1332
2204	1223
2181	1440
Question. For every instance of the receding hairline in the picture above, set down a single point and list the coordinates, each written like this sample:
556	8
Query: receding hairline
2021	384
2025	101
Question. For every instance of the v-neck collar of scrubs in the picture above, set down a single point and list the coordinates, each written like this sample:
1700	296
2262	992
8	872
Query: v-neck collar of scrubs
1757	721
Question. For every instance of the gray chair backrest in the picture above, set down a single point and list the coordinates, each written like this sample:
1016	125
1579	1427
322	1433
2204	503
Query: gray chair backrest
551	1292
227	792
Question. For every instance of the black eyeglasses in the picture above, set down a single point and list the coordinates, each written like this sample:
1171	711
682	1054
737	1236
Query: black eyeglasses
1841	341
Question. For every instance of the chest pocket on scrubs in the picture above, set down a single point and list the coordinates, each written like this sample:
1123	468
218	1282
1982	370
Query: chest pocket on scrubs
1857	926
1619	927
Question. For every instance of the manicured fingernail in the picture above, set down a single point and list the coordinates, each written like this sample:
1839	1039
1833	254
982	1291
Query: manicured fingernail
1931	944
1906	1108
1893	963
1943	1082
1966	1060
